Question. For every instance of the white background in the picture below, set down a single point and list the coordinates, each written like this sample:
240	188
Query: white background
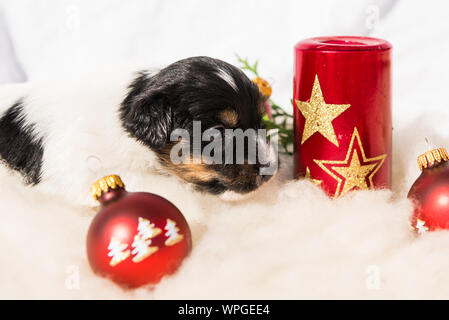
50	38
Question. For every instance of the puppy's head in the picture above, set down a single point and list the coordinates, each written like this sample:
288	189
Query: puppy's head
203	119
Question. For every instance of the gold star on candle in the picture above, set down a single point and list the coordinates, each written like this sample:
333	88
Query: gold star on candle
319	115
355	174
351	172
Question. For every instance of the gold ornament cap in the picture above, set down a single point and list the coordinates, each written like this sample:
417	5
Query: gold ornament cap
432	158
264	87
105	184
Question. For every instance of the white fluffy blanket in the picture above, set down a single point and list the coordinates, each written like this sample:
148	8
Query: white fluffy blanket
287	241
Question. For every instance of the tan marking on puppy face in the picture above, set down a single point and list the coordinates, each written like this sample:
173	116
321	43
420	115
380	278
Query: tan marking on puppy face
229	117
190	172
193	172
240	178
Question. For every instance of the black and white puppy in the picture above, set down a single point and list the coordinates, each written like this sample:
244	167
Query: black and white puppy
49	133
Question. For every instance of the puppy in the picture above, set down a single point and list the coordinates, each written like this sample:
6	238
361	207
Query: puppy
51	134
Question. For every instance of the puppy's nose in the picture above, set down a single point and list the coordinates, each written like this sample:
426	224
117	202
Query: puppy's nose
265	178
261	179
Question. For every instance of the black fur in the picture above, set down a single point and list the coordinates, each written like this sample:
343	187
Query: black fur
19	148
145	113
192	90
186	90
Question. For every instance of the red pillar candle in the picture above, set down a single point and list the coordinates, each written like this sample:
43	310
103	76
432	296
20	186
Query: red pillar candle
342	113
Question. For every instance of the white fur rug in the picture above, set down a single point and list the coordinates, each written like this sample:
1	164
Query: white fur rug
287	241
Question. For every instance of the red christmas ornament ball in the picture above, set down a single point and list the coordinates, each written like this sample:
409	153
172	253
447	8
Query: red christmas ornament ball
136	238
430	192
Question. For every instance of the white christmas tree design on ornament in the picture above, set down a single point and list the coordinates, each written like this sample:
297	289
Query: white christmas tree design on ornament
141	245
172	233
116	252
142	241
420	226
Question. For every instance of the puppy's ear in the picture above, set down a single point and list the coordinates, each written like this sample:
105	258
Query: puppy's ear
145	114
